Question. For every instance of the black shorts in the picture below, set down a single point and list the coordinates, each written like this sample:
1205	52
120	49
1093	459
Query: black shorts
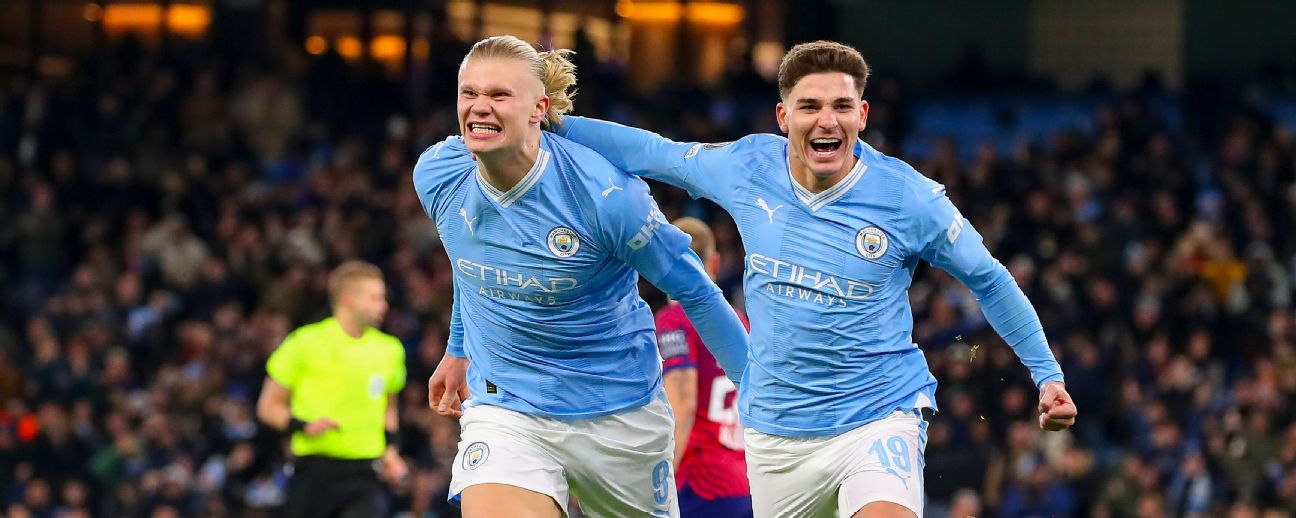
323	487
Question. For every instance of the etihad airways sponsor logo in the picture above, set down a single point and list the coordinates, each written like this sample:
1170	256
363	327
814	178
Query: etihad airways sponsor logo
516	280
798	282
503	284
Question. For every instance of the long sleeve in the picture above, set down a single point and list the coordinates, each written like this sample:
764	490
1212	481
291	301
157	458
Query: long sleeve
633	226
455	342
704	170
951	244
437	166
710	313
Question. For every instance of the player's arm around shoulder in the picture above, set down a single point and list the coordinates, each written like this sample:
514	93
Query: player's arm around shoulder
706	170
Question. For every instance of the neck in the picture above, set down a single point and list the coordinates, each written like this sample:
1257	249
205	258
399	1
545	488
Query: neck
350	324
504	168
812	182
815	183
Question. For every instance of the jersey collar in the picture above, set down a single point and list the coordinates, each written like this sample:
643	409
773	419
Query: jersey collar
504	199
816	201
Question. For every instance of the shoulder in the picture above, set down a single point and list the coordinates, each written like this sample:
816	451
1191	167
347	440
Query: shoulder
560	145
582	165
913	189
303	336
313	329
749	150
389	343
597	184
441	162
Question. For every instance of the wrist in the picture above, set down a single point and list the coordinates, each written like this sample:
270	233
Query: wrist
1055	379
393	440
296	425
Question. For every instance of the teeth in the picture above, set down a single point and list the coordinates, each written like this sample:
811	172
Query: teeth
482	128
825	141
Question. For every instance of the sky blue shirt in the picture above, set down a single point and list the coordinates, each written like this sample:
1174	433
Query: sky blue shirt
827	275
546	304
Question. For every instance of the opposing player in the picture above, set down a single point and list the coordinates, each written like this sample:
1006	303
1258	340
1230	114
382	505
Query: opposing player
833	230
710	472
545	237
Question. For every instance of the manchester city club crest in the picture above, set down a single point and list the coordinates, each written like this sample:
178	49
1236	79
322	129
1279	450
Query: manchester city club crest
563	242
475	455
871	242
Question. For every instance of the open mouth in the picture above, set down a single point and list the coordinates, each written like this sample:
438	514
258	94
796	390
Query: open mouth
483	129
825	147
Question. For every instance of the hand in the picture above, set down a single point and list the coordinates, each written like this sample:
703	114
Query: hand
448	386
1057	411
319	426
394	468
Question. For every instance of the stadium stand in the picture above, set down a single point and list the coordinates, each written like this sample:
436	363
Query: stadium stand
167	219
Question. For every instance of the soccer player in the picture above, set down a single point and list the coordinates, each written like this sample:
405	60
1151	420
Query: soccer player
333	385
709	469
833	230
545	237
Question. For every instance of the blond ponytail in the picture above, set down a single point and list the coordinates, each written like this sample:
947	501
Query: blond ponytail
559	77
552	68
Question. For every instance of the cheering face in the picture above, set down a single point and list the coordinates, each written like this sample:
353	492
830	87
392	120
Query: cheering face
499	101
822	116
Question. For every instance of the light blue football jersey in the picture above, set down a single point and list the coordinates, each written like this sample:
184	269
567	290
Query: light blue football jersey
546	305
827	275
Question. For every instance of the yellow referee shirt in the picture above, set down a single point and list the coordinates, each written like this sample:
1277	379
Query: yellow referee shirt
332	374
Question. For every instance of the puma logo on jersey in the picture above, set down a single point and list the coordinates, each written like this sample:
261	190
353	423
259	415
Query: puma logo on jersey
464	213
760	202
903	478
609	190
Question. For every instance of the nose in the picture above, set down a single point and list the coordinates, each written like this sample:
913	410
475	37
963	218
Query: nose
480	105
827	119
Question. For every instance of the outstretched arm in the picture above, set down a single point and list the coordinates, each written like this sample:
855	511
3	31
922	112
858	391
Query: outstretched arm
704	170
953	245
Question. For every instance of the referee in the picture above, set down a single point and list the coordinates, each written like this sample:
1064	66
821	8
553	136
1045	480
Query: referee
333	385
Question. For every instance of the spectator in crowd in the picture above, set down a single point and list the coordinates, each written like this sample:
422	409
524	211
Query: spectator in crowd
164	231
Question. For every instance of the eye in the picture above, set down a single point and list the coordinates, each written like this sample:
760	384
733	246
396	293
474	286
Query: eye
500	96
468	94
843	107
807	108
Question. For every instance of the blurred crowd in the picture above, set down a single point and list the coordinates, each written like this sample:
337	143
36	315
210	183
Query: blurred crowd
168	217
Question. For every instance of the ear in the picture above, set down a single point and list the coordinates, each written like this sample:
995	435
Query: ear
713	265
780	113
864	106
541	108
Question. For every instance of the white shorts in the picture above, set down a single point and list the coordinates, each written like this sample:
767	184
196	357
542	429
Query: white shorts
617	465
835	476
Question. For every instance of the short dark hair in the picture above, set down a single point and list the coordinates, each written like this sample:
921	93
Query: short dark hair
821	56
